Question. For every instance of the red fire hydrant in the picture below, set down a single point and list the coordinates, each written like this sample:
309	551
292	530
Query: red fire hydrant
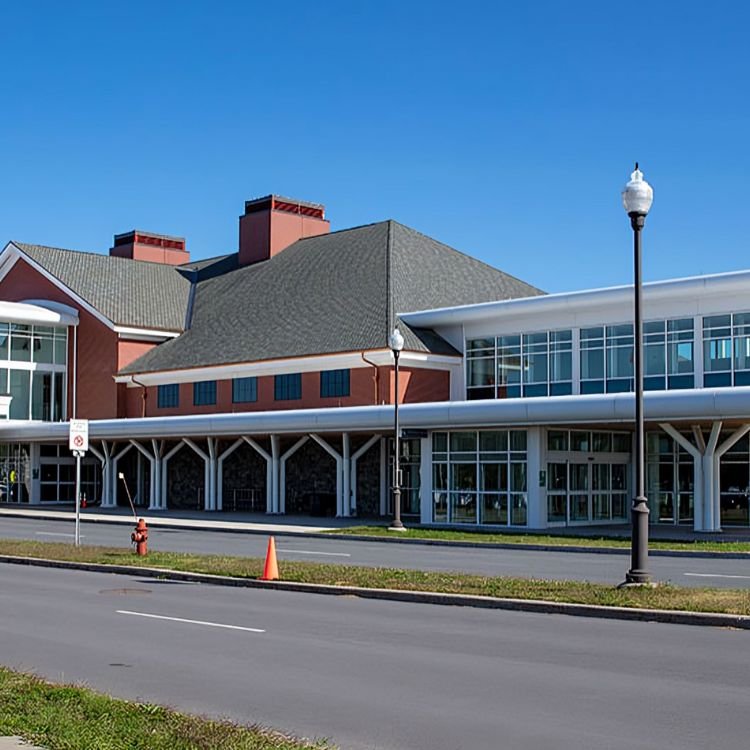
140	538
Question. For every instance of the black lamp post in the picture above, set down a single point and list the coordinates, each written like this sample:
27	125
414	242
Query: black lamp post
637	198
396	342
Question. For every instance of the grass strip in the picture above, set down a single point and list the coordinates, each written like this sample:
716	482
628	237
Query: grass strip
521	537
68	717
727	601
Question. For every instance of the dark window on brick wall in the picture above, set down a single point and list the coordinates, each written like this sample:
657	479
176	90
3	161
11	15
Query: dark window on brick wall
244	390
334	383
287	387
168	396
204	393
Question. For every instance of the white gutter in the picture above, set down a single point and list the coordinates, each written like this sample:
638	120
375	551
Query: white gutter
548	304
704	404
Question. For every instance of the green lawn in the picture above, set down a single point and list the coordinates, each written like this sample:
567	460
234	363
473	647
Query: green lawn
727	601
67	717
521	537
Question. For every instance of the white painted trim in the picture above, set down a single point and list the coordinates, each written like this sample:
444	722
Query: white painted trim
343	361
546	305
145	334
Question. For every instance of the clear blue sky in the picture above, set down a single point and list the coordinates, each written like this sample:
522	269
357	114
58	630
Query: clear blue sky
504	129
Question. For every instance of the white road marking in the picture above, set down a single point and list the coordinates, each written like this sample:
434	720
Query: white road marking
311	552
54	533
713	575
191	622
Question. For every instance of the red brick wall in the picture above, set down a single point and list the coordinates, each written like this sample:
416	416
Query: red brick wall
415	385
97	344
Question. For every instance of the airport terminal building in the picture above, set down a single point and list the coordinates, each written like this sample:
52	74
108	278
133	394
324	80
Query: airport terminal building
262	380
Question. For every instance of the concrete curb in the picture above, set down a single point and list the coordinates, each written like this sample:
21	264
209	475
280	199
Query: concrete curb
421	597
157	523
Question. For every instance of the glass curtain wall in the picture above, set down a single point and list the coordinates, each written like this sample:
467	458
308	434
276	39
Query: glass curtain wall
479	477
726	350
33	366
532	364
669	480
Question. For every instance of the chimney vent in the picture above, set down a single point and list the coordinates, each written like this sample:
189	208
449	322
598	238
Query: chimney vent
148	246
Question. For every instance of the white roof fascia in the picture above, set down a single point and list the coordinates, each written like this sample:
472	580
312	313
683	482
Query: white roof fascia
698	405
721	284
13	250
144	334
39	312
347	360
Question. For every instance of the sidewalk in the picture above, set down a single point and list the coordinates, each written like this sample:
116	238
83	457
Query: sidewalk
261	523
16	743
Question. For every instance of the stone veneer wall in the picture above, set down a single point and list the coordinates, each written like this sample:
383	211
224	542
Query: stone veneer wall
368	480
185	478
245	471
311	474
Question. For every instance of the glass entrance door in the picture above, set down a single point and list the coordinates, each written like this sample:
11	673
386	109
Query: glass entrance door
591	492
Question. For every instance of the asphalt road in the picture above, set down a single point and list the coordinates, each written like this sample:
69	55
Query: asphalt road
377	674
604	568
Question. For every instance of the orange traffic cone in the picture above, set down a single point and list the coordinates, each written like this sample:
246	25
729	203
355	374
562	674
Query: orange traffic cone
271	569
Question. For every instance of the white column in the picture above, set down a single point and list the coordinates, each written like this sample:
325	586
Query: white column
339	473
346	479
706	516
536	495
212	443
156	484
353	471
275	451
35	482
384	483
282	472
103	460
425	481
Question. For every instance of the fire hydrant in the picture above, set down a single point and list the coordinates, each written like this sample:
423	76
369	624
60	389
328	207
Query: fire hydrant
140	538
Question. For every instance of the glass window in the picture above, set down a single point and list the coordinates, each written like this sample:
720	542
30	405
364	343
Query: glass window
717	350
334	383
557	440
463	442
580	441
287	387
204	393
619	358
20	342
168	396
61	346
680	347
592	360
535	364
509	366
43	344
561	363
19	388
244	390
480	368
4	339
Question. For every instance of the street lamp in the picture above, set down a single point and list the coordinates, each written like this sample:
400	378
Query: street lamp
637	197
396	342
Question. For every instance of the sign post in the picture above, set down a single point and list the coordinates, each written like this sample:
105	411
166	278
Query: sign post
78	443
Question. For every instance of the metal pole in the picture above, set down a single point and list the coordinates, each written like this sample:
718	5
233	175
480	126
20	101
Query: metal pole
78	499
638	572
396	524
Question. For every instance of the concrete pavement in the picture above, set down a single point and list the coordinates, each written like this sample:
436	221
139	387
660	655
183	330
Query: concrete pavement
383	675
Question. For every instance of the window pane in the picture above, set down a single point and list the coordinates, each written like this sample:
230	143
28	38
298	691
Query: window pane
557	440
20	342
244	390
19	388
493	442
463	442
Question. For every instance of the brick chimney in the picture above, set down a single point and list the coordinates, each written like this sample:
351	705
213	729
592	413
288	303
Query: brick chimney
156	248
273	223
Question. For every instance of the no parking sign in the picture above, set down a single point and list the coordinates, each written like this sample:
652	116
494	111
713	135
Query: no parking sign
78	439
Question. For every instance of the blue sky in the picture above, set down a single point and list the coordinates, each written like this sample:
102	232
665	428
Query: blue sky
504	129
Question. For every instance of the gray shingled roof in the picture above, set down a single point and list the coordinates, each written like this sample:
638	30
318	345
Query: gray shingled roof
338	292
127	292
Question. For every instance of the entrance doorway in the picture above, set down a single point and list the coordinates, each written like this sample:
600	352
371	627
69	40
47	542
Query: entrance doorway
585	492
